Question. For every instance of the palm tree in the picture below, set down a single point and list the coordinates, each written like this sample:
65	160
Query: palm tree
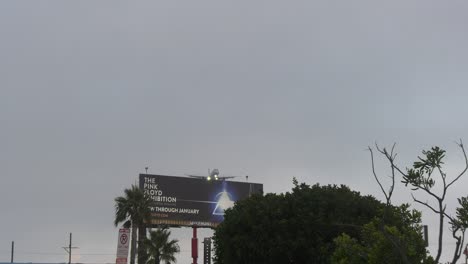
159	247
133	210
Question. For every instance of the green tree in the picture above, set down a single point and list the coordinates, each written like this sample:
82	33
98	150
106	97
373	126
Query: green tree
423	176
459	224
159	248
348	251
132	209
295	227
374	247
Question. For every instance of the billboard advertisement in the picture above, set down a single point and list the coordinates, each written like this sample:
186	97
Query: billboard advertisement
183	201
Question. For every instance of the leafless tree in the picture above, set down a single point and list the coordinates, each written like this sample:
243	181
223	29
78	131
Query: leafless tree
390	156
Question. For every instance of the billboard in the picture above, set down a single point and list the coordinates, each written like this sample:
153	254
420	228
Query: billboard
183	201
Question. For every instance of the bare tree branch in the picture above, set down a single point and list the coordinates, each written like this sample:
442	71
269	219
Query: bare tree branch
442	175
425	204
377	178
397	244
466	164
427	190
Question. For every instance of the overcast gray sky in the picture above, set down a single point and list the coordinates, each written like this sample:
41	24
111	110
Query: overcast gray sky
91	92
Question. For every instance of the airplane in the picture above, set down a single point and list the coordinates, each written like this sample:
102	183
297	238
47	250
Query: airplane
212	175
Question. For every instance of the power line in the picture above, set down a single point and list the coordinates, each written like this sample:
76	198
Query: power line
53	253
39	253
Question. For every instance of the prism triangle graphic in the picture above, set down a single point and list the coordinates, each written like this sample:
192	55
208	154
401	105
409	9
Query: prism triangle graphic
224	202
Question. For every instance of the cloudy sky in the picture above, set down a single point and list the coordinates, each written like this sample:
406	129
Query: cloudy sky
91	92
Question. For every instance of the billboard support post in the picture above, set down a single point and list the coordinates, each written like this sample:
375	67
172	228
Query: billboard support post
194	245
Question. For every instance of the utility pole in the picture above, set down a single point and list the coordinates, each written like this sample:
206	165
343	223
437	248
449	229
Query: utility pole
12	250
69	249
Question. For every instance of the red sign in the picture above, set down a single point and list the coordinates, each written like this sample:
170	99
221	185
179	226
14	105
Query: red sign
466	251
122	246
121	261
123	239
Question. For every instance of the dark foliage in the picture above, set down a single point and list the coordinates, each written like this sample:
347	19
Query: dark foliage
296	227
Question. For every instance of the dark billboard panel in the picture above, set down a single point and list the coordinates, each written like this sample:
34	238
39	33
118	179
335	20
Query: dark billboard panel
183	201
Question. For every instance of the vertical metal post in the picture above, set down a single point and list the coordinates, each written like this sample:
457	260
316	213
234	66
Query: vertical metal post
194	245
12	250
426	235
70	249
207	250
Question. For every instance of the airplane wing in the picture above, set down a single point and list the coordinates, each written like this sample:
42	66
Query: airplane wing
227	177
196	176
